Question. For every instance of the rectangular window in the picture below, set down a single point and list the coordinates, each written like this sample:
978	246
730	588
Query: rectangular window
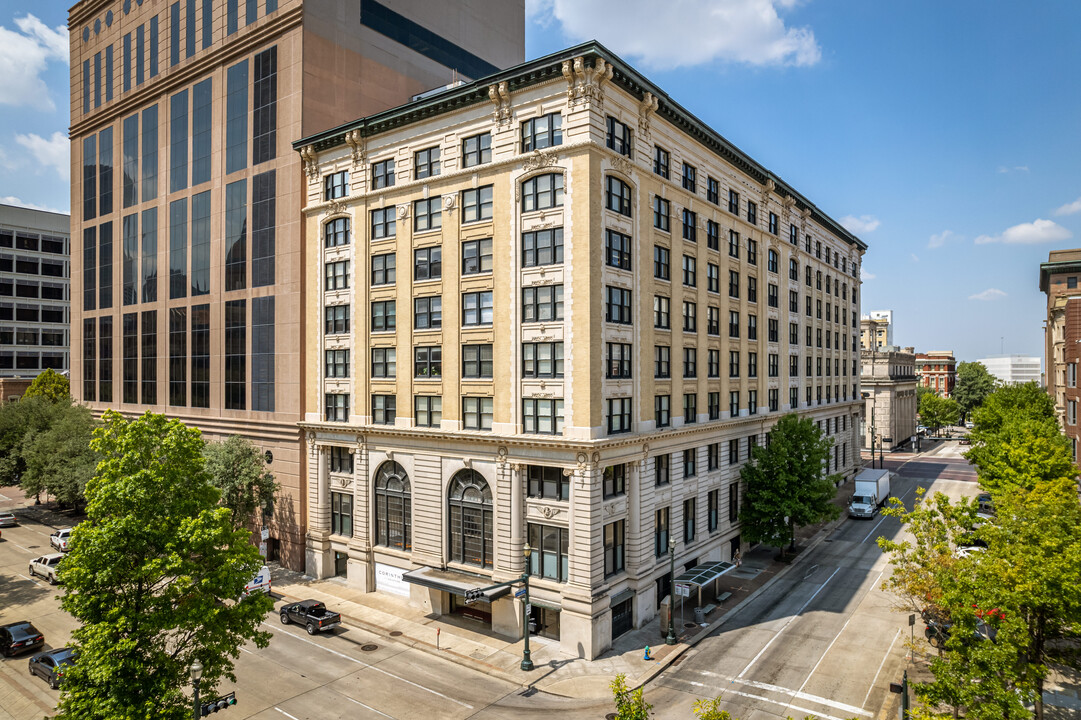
427	410
619	415
547	482
476	256
690	226
383	174
690	316
477	150
662	312
660	161
236	241
733	452
153	46
426	163
690	362
263	224
752	251
189	18
201	117
477	204
383	225
713	501
130	230
86	89
733	202
384	363
105	172
619	137
89	357
90	242
690	510
773	223
477	413
341	514
337	407
690	408
427	214
427	313
614	482
108	73
690	271
105	266
477	308
662	410
541	132
542	303
661	262
428	362
90	177
617	249
336	185
105	366
733	500
661	212
617	196
384	409
733	324
713	363
662	469
661	532
476	361
752	213
793	234
131	357
427	263
150	357
542	360
236	116
262	354
200	244
543	247
178	356
383	316
200	356
662	361
617	360
713	190
752	327
208	23
236	342
733	404
131	161
613	548
150	153
178	141
264	116
97	80
713	321
713	235
690	177
550	550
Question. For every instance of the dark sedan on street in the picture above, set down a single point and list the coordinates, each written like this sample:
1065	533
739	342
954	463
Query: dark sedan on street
51	664
19	637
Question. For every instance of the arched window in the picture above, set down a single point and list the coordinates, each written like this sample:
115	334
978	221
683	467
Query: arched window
393	507
470	505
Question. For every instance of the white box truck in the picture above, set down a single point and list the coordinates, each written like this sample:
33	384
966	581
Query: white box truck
872	488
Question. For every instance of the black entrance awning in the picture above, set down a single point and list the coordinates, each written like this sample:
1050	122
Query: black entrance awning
455	582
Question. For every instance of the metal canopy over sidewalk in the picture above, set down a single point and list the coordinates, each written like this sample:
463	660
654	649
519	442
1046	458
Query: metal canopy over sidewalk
702	575
452	581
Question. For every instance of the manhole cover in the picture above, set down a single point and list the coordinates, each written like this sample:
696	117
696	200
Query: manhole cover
395	633
610	716
690	625
369	647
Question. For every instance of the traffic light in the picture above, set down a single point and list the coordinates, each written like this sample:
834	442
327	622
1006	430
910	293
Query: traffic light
472	595
213	706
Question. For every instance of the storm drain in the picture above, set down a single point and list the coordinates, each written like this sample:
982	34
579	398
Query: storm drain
395	633
370	647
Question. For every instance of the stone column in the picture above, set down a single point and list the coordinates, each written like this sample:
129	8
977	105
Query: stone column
318	558
518	531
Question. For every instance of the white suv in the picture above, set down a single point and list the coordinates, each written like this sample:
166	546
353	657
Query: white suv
46	566
60	539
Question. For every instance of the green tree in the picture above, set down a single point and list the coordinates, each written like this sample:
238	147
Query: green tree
238	469
937	411
58	457
710	709
51	385
630	705
1026	401
974	384
787	484
19	420
1026	453
145	575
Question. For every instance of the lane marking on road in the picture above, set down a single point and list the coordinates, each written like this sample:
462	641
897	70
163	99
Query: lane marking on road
873	529
30	579
797	694
19	546
285	713
825	653
785	626
373	667
806	711
367	707
875	679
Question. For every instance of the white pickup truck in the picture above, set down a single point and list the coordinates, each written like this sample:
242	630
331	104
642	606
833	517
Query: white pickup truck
46	566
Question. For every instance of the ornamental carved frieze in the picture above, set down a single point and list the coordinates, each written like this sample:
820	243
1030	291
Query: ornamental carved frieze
335	207
539	160
623	165
585	85
499	94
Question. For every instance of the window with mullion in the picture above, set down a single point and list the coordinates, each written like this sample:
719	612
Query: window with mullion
690	226
542	191
661	262
427	214
337	275
542	303
617	195
542	360
549	556
542	416
477	361
477	150
543	247
617	250
428	263
542	132
383	223
618	137
660	161
384	409
477	204
661	213
383	316
614	548
476	256
690	177
428	362
383	174
426	163
427	410
384	363
337	363
619	415
618	360
661	532
618	305
713	190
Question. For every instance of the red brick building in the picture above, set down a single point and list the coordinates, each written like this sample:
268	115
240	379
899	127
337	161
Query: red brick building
937	370
1062	336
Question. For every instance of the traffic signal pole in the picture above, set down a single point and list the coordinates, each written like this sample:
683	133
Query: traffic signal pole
474	594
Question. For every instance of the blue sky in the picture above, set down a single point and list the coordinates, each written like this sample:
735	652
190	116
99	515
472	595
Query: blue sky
944	134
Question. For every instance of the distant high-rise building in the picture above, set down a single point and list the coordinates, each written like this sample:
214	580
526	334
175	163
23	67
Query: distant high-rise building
34	296
1014	369
1062	335
182	115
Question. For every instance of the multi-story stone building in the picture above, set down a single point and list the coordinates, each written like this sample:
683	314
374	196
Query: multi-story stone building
556	311
874	333
34	296
181	119
937	370
1062	335
888	378
1014	369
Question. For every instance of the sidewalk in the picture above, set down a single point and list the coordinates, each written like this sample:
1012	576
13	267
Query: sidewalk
554	672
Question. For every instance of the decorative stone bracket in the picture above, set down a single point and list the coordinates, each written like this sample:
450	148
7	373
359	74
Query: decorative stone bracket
356	146
500	97
311	163
586	85
646	108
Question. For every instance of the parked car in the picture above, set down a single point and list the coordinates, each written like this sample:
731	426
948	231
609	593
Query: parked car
19	637
8	519
965	551
964	441
60	539
985	504
970	424
46	566
921	430
312	614
937	629
51	665
259	584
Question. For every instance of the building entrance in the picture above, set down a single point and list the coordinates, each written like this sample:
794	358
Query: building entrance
341	564
544	622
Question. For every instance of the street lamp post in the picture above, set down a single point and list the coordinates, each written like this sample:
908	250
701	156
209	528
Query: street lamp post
527	661
874	399
671	639
196	671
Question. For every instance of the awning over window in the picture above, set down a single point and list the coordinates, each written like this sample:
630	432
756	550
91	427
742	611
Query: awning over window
453	581
704	574
621	596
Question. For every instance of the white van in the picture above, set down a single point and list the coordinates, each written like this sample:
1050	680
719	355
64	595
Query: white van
259	584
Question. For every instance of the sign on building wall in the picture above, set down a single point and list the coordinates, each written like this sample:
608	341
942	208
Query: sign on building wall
389	579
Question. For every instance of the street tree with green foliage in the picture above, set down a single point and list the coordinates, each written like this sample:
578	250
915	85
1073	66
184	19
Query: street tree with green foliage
973	385
51	385
57	458
630	705
1011	403
787	483
937	411
146	575
238	469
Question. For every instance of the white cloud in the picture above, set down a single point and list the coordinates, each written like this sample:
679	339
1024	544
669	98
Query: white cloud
747	32
51	152
988	294
1016	168
23	57
861	224
1070	208
1035	232
12	200
937	241
915	257
865	276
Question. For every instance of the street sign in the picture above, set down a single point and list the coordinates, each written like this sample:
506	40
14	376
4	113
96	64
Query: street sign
265	534
519	593
683	590
262	549
528	608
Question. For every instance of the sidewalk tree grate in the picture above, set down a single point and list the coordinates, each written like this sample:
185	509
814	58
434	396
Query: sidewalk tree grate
370	647
610	716
395	633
